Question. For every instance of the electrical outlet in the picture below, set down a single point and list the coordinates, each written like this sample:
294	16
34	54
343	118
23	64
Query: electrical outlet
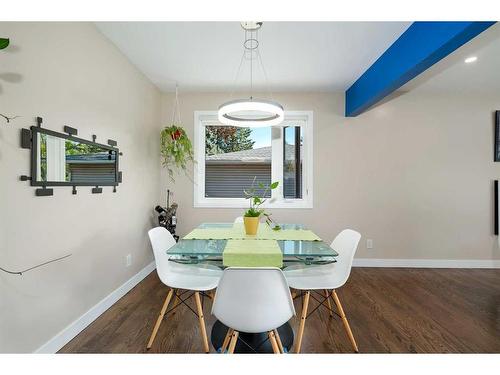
128	260
369	243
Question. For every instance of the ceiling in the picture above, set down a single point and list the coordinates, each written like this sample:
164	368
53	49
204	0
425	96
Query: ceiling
297	56
453	75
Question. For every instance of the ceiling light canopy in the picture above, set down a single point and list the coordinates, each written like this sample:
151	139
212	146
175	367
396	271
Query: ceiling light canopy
251	112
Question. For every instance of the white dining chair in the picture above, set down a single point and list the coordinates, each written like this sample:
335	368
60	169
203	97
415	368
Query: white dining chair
253	300
186	277
326	278
238	220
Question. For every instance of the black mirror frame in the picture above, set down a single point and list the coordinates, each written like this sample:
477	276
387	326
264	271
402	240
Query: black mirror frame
29	140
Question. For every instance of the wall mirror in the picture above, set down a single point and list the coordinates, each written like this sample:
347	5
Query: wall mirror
72	161
59	159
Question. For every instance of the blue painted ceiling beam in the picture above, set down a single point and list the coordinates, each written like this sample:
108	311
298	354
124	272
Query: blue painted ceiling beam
422	45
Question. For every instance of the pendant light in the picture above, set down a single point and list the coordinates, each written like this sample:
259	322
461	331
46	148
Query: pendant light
251	112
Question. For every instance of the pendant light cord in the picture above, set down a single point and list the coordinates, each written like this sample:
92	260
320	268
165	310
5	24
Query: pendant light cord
270	93
258	57
251	68
233	86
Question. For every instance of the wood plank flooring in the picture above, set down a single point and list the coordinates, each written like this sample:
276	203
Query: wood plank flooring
391	310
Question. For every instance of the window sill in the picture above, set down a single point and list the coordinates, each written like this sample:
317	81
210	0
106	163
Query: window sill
243	203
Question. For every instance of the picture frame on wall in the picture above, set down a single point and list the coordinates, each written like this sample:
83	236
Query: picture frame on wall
497	136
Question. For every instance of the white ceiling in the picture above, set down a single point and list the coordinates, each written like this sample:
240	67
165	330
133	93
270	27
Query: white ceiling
299	56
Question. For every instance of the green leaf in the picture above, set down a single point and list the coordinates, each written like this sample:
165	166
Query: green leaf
261	185
4	42
274	185
252	213
256	200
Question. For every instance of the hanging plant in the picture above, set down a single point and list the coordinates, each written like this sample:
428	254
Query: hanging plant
176	148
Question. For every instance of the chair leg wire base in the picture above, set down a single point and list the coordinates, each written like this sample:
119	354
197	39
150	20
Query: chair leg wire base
181	301
178	302
322	304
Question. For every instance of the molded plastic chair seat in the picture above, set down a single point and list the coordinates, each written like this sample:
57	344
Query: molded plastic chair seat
314	278
190	277
326	278
177	275
180	276
329	276
253	300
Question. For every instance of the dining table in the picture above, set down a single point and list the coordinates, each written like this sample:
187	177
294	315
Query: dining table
222	244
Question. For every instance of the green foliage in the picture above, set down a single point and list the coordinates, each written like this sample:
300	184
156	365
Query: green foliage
43	157
176	149
76	148
252	212
256	201
4	43
224	139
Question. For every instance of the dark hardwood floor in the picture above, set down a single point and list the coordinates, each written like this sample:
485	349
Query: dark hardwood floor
391	310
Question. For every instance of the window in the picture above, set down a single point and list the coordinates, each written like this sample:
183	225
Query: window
229	159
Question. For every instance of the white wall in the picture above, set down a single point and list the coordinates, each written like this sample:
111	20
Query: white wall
69	74
414	174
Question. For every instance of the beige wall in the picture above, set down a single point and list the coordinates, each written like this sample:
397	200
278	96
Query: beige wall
414	174
71	75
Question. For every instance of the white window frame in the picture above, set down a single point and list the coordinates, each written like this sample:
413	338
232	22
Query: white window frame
292	118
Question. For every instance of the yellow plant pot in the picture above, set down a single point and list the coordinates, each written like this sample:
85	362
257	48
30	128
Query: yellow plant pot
251	225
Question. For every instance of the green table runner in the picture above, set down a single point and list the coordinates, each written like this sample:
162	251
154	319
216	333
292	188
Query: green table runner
237	232
243	253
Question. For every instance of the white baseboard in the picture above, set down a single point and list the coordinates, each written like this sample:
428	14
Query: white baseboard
426	263
68	333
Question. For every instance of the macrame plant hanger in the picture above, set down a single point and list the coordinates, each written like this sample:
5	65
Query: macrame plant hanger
177	109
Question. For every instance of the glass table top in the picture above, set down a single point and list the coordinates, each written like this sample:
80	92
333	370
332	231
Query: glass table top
214	248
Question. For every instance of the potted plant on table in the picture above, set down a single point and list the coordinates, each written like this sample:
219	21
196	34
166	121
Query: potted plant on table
252	216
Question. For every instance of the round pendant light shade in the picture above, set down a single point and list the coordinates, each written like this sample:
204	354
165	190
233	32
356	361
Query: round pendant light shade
252	113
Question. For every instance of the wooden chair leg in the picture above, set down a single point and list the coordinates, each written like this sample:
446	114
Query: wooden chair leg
274	344
302	322
327	295
278	340
202	322
226	340
160	318
344	320
234	339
